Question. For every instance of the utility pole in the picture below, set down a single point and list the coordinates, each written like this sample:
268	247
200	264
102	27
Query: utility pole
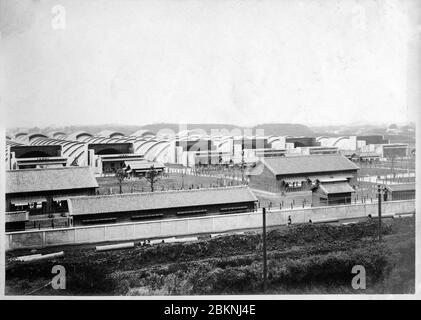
379	193
242	165
264	251
393	166
182	179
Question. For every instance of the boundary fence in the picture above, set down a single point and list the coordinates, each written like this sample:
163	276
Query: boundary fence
190	226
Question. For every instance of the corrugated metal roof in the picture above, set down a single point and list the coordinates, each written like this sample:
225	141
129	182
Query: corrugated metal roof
333	178
159	200
340	187
369	154
401	187
143	165
308	164
34	180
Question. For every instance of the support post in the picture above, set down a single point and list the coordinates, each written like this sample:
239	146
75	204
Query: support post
264	251
379	194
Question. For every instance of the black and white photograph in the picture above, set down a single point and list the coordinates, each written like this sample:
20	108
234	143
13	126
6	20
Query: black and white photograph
226	148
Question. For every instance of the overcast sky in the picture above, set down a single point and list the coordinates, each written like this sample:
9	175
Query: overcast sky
240	62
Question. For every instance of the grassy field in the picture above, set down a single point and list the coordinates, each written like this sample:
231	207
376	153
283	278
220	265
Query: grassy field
302	259
169	182
176	181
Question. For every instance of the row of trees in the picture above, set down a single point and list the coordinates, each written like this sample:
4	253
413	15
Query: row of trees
152	176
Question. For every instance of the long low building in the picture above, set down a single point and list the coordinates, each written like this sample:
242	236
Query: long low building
165	204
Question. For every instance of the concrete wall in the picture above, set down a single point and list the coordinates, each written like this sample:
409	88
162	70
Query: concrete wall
185	226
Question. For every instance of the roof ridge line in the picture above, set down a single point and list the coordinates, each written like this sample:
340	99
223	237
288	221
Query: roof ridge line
42	169
164	191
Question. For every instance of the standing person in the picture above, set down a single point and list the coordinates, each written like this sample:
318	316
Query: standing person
289	220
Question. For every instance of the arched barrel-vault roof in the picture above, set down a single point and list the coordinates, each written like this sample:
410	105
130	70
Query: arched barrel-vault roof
105	140
144	147
190	133
78	135
223	142
57	135
140	144
73	150
321	137
142	133
11	143
153	150
338	139
161	153
33	136
110	134
21	136
272	139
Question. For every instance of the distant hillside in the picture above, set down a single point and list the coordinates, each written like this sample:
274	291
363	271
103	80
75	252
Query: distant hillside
269	128
285	129
155	127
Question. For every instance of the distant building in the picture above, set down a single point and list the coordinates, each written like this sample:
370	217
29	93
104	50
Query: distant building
314	150
389	151
354	143
207	158
350	143
361	156
246	148
302	141
350	154
140	168
373	139
161	204
109	156
368	156
300	172
405	191
269	153
32	157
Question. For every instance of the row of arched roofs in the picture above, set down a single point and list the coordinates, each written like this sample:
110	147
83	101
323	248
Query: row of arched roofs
152	147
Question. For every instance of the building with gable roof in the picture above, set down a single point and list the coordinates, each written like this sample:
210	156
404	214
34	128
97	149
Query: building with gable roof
300	172
160	204
45	191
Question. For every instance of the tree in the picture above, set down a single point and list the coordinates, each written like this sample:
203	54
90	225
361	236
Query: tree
243	166
121	174
152	176
182	178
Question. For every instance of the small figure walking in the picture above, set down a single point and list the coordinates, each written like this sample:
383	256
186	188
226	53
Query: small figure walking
289	220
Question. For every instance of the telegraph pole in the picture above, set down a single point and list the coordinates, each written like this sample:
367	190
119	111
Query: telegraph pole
379	193
242	165
264	251
182	179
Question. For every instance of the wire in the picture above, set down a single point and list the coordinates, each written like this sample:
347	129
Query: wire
38	289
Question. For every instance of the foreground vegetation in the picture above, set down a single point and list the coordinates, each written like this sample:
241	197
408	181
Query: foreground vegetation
311	258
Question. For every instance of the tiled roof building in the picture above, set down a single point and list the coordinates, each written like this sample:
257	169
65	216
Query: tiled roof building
51	179
44	191
279	174
131	206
